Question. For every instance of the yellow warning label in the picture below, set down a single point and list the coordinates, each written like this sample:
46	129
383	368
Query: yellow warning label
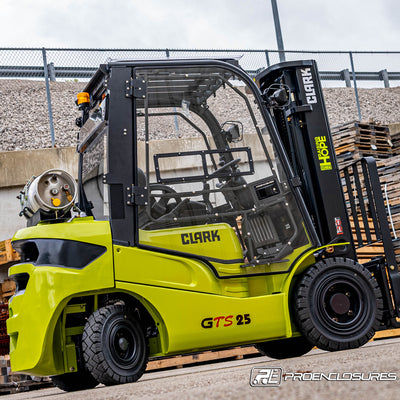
323	153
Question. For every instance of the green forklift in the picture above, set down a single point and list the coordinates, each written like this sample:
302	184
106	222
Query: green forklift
209	212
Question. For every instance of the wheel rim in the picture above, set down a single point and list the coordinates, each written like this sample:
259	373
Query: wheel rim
123	344
341	304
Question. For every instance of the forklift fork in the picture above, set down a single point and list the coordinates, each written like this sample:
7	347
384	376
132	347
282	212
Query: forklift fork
366	204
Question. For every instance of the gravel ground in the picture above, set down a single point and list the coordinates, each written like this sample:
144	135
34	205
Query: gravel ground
230	380
24	122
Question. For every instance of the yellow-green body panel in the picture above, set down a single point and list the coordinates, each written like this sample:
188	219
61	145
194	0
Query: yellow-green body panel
190	275
184	311
221	244
195	304
34	313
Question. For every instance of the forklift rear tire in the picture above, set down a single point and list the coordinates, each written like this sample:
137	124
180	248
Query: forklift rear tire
71	382
114	345
285	348
338	304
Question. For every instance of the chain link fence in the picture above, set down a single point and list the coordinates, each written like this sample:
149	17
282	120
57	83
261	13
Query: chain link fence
355	72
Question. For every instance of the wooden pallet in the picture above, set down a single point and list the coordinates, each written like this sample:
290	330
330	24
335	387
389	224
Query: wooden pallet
19	383
236	353
7	289
25	386
386	334
14	382
7	253
356	139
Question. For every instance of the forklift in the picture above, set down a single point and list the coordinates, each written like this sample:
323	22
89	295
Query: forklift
209	212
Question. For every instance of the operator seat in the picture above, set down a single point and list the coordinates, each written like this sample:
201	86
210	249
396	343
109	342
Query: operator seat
160	209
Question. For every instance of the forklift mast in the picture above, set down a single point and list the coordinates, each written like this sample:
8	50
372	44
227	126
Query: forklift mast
293	93
294	96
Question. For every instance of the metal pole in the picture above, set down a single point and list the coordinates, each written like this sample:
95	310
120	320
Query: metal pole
175	117
385	77
278	31
353	72
267	58
46	78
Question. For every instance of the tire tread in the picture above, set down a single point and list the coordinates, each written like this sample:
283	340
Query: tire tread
302	311
92	348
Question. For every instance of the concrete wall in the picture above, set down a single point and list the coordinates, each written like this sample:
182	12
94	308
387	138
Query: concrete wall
16	168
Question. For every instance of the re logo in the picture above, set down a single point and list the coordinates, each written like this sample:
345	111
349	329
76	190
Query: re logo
266	376
323	153
200	237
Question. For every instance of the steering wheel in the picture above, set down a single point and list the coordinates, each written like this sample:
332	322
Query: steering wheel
232	163
175	211
159	208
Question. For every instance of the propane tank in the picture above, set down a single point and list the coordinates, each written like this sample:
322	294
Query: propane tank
53	192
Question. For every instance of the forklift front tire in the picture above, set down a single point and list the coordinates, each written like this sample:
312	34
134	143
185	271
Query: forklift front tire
285	348
114	345
338	304
71	382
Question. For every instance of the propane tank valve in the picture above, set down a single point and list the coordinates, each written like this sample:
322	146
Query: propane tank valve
53	193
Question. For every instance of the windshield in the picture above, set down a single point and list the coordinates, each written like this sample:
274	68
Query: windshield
206	159
92	143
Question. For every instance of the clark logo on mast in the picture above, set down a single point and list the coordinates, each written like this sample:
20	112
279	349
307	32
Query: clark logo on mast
308	86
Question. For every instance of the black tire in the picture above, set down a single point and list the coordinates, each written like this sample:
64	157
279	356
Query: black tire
285	348
114	346
71	382
338	304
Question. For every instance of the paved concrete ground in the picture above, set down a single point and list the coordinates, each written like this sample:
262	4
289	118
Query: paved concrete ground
230	380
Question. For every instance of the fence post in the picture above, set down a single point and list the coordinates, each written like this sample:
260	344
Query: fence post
353	72
46	78
267	57
175	117
52	72
345	74
385	77
278	32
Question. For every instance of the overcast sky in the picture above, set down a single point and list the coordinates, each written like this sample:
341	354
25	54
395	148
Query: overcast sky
219	24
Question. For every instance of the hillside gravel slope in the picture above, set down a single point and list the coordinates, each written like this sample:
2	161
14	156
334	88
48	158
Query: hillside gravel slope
24	122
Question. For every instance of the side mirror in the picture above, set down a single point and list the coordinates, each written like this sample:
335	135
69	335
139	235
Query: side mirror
233	132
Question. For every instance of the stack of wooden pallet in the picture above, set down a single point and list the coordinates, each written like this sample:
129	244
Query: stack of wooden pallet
12	382
395	138
4	338
7	289
7	375
354	140
7	253
8	257
389	174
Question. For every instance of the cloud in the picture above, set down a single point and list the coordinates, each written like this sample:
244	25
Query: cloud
306	24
